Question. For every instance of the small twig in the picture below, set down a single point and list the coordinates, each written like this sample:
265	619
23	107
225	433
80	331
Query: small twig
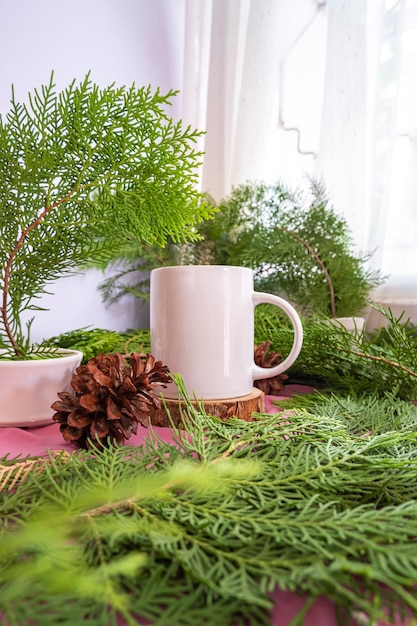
234	446
8	266
127	503
380	359
319	262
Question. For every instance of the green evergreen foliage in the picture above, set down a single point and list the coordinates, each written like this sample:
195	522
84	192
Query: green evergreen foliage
83	173
94	341
320	501
347	363
294	240
130	270
297	245
331	357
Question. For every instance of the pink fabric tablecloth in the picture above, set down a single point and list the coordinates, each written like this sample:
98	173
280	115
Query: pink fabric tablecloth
37	441
22	442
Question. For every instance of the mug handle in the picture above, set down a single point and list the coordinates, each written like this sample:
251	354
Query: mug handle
259	373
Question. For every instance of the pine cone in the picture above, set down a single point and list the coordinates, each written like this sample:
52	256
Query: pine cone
112	395
270	386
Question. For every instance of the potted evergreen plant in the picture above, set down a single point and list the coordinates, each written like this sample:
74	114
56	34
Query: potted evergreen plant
297	245
82	172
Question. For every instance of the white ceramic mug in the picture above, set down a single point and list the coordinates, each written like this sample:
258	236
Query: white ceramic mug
202	327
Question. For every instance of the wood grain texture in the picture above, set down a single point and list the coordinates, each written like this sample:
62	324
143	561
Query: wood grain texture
242	408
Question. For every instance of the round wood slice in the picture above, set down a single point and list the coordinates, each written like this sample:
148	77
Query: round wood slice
242	408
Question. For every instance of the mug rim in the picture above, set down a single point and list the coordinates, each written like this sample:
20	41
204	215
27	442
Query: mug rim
207	267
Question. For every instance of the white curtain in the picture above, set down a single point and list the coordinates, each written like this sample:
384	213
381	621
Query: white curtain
328	88
233	53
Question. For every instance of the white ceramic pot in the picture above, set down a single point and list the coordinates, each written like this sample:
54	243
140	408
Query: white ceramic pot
28	388
354	325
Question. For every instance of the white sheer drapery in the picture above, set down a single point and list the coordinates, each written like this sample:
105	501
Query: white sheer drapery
231	85
327	88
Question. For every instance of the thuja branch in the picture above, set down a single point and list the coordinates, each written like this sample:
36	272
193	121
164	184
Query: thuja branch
237	543
297	245
115	169
319	262
7	270
380	359
8	267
